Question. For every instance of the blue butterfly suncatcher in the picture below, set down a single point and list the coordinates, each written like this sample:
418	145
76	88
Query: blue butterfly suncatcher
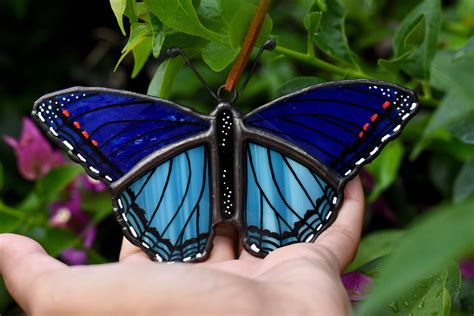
277	173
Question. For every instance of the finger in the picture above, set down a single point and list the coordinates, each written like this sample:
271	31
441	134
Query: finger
224	247
22	263
131	252
342	238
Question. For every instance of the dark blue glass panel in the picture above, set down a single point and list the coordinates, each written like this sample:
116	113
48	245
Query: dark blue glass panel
111	131
341	124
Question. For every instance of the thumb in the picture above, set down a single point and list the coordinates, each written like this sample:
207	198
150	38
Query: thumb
22	262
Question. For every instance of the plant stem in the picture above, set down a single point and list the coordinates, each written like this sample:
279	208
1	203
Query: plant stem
11	211
314	61
428	101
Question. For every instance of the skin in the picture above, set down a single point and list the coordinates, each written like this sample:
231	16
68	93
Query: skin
301	279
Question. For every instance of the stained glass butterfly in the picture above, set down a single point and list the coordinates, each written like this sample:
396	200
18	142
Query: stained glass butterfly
277	173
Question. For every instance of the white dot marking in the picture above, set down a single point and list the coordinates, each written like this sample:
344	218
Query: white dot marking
68	145
53	132
255	248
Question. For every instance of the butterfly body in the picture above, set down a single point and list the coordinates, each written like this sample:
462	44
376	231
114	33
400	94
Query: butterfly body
277	174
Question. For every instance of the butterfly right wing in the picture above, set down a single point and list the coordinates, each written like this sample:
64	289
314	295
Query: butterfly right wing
167	210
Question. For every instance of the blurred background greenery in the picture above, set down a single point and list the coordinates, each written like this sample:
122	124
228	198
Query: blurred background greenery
419	223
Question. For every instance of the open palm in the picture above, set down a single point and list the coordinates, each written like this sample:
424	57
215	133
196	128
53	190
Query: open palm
297	279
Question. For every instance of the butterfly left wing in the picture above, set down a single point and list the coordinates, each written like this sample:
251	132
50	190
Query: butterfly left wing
301	149
110	131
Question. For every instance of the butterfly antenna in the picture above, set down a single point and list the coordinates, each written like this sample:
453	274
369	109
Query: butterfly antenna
174	52
268	45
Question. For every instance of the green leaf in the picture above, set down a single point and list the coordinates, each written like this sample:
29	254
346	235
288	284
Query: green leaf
312	22
1	178
417	37
55	240
321	4
453	75
443	170
425	297
118	7
331	38
181	16
141	52
48	187
138	33
464	183
440	237
218	56
375	245
160	85
240	23
159	34
11	219
210	9
228	8
131	11
97	204
463	129
453	280
298	83
385	168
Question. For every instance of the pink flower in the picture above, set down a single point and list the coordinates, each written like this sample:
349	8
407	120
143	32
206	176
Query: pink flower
68	214
91	184
35	156
357	285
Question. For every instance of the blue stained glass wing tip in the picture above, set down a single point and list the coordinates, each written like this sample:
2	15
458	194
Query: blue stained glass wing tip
109	131
342	124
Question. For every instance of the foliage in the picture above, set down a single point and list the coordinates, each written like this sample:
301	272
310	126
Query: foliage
419	220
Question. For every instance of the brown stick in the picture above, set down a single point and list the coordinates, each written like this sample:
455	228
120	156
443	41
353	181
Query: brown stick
247	46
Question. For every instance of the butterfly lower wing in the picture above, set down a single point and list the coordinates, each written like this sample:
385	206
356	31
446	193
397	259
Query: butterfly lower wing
109	131
342	124
285	202
167	210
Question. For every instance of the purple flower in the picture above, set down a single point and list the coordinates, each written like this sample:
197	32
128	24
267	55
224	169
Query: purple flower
68	214
91	184
73	256
35	156
467	268
357	285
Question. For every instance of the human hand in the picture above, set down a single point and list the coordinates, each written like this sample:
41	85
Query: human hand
298	279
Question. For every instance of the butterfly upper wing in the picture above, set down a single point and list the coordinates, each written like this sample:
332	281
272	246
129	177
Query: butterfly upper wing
167	210
109	131
341	124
